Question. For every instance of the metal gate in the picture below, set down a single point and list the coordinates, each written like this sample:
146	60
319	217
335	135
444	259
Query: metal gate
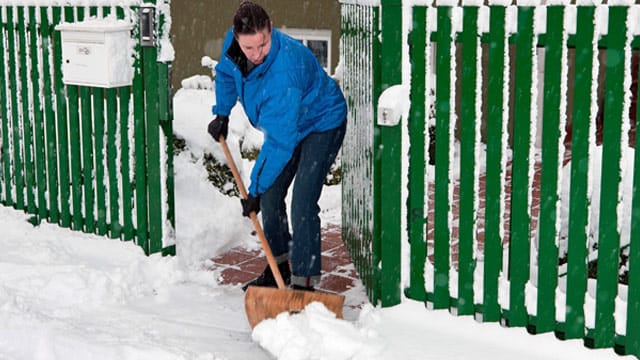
517	157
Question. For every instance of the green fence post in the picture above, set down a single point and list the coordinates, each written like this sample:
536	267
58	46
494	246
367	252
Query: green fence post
88	177
608	236
468	174
99	148
149	56
5	115
27	126
140	150
75	153
18	173
166	123
551	163
62	125
444	105
493	179
49	116
154	178
632	336
38	119
416	217
165	117
128	189
579	206
388	158
125	120
115	228
519	240
85	148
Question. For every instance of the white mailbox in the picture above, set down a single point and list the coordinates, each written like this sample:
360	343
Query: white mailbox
97	53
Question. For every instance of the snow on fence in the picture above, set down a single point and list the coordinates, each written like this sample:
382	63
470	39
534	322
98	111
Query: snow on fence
517	157
94	159
358	54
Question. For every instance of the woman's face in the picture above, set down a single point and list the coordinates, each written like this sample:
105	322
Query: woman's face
255	46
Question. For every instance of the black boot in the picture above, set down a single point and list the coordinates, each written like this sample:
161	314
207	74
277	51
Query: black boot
303	288
266	279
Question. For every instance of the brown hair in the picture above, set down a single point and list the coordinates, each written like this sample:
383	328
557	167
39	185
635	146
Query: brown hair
250	18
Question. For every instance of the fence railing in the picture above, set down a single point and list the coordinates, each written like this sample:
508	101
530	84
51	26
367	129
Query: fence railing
518	159
89	158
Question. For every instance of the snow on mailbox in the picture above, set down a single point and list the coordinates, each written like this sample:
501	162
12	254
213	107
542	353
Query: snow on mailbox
97	52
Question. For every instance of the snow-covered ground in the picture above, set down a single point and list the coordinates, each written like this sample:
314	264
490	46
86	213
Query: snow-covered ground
68	295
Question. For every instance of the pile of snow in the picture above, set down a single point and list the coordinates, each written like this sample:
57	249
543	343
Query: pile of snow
197	82
316	333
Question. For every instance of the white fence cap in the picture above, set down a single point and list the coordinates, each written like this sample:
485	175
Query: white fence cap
446	2
588	2
528	2
500	2
472	2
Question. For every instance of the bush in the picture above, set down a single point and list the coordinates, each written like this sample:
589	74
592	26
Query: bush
220	174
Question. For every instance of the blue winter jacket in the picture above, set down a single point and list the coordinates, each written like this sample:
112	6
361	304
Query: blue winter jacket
287	97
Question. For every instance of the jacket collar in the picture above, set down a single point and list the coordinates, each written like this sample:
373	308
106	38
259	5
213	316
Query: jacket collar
240	60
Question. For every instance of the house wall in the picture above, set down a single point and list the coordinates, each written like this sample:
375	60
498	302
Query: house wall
198	28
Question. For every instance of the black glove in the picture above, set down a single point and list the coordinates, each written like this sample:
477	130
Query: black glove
250	204
219	127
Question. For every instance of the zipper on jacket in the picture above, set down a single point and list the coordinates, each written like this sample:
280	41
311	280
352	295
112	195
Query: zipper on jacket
244	81
259	173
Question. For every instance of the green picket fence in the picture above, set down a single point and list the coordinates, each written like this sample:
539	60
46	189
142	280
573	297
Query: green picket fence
92	159
517	158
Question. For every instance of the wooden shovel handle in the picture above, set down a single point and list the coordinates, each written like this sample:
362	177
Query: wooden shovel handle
254	218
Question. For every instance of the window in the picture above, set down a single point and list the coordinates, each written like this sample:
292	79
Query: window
318	41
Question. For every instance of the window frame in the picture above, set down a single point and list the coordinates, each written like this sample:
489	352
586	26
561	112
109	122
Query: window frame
304	35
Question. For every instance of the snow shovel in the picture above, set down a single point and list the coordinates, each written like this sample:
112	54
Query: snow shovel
262	303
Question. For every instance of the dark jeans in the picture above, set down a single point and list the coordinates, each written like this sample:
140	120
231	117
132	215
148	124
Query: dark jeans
310	164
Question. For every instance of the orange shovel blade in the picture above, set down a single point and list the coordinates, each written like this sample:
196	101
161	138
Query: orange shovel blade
266	303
